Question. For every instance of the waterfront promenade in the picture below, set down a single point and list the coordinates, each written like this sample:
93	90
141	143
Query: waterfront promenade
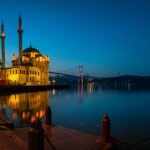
56	137
59	138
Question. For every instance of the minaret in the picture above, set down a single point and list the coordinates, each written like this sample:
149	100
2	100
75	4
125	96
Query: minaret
20	31
3	45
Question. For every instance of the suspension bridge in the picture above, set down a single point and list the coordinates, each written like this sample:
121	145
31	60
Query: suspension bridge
76	72
79	74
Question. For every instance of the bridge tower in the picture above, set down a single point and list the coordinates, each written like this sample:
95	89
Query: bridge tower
80	80
80	74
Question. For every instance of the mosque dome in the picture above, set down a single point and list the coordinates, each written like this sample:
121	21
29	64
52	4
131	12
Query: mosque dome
29	50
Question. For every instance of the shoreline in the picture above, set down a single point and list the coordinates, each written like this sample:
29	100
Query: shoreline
10	89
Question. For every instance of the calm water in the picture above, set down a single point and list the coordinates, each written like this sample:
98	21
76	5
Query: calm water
129	111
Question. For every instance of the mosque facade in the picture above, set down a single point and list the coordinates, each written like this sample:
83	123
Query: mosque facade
29	68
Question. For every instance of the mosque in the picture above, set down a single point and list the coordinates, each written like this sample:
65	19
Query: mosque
29	68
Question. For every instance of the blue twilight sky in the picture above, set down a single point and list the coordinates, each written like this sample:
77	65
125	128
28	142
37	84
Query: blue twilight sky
105	36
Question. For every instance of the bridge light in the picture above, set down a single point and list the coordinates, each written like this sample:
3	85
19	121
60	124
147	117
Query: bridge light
53	81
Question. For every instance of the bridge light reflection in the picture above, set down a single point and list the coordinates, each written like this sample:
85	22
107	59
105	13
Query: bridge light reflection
80	87
54	92
90	88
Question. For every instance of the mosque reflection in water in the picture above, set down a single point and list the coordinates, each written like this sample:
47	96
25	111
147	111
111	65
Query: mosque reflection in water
25	108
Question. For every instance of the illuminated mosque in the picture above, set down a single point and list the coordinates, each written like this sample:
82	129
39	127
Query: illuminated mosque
29	68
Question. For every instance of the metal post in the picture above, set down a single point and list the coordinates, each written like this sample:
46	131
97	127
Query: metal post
106	127
36	137
108	142
48	116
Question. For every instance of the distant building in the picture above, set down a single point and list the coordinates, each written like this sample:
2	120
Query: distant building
29	68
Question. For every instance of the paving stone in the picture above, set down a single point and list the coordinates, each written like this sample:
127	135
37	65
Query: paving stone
9	140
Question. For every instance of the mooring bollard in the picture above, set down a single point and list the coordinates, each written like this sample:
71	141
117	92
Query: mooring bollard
108	142
36	137
48	116
106	127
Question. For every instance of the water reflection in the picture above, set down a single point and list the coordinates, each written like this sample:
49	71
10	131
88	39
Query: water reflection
80	87
53	92
25	108
90	88
129	111
3	103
